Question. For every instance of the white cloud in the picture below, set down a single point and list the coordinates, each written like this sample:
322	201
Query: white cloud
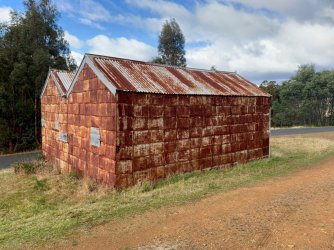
5	13
218	21
77	57
252	59
149	24
164	8
121	47
64	5
208	21
88	12
90	23
276	56
299	10
259	39
94	11
74	41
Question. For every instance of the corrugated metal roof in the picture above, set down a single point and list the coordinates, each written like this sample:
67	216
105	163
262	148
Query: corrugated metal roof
64	78
137	76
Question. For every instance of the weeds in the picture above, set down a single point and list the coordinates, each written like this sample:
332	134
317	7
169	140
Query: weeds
41	185
41	157
33	167
73	175
25	167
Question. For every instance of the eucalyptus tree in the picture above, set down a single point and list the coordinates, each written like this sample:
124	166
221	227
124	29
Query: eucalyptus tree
171	45
30	44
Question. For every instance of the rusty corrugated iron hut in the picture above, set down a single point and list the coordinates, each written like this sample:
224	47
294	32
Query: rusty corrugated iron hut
124	121
54	116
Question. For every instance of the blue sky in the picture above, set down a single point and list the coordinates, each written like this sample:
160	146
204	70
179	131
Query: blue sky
260	39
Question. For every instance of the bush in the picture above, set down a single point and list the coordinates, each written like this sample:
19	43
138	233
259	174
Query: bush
25	167
31	167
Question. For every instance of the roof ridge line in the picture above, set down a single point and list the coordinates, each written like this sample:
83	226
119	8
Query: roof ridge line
160	65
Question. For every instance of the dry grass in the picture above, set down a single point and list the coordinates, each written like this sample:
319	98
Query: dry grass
286	144
43	207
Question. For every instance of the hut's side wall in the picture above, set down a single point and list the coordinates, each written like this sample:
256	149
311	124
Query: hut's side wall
159	135
92	105
54	110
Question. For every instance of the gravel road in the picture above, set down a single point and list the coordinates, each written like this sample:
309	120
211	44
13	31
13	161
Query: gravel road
291	212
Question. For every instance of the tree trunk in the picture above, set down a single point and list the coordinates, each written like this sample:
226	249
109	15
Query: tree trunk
11	146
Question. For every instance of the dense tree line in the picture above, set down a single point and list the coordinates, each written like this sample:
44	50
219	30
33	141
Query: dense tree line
29	44
305	99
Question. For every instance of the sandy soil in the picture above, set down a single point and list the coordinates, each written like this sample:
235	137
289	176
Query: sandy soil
290	212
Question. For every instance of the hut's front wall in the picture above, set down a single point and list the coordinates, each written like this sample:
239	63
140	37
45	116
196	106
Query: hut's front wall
159	135
54	121
92	106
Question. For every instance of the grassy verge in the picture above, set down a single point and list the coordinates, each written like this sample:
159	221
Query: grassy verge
36	209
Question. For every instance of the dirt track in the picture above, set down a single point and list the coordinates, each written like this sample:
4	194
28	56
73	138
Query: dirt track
295	211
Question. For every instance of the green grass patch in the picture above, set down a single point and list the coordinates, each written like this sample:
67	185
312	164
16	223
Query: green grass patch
40	206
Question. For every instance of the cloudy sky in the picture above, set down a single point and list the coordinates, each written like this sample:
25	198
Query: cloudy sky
260	39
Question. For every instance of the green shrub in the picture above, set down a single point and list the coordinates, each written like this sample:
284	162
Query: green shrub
25	167
32	167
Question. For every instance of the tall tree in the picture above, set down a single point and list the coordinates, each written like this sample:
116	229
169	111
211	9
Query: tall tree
171	44
272	88
30	44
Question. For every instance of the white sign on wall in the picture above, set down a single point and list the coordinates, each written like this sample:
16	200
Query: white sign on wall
63	137
43	122
95	139
56	126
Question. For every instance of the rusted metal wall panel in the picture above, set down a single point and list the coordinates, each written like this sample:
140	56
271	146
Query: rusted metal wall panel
92	105
54	114
160	135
